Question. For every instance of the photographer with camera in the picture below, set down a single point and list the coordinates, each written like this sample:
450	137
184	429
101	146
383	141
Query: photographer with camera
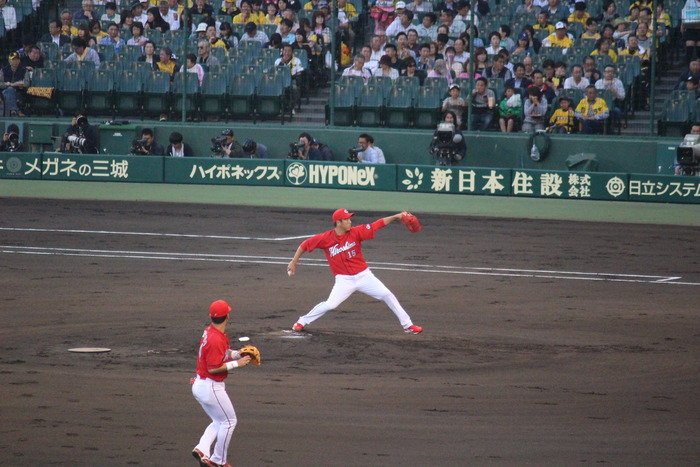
448	146
10	140
254	150
177	147
688	153
147	145
305	149
80	137
366	152
225	145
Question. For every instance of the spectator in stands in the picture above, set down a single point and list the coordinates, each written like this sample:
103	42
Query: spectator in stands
543	23
579	15
111	14
370	153
358	69
193	67
691	85
559	38
480	62
602	47
559	75
155	21
546	92
612	84
296	69
96	30
272	16
507	42
556	11
440	70
412	42
461	53
494	43
391	51
483	101
592	112
446	5
464	13
402	50
166	62
443	40
177	147
385	68
55	34
205	58
420	6
533	42
9	15
86	13
302	43
214	40
435	52
33	59
285	30
312	5
589	70
519	81
321	32
498	69
84	34
81	52
148	146
201	7
138	13
535	111
149	54
455	103
252	34
137	37
112	38
67	27
523	46
428	28
591	31
576	80
693	70
245	16
425	62
412	70
370	65
455	27
13	82
510	110
562	119
622	31
400	24
634	49
527	8
609	12
275	42
127	21
529	67
169	16
226	34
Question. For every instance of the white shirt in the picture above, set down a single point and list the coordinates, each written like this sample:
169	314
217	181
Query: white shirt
373	155
423	31
396	27
10	16
569	83
173	19
376	55
363	73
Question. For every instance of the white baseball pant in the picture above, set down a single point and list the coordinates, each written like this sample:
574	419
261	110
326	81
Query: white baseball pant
215	401
364	282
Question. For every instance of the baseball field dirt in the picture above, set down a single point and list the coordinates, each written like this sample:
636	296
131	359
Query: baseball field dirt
545	342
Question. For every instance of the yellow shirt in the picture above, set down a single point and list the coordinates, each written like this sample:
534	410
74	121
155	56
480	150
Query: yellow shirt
277	20
563	118
218	44
611	54
644	56
573	18
597	108
169	68
350	10
564	42
72	31
595	36
665	19
238	19
548	27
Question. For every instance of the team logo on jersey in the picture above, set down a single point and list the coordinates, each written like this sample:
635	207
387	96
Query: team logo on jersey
296	173
335	249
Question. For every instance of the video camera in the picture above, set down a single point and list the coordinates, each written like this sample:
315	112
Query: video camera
294	149
447	145
12	144
688	155
217	145
352	154
138	146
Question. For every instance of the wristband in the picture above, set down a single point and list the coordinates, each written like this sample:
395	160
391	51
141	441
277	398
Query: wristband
231	365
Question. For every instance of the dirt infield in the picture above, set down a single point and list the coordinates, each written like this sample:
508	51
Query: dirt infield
545	342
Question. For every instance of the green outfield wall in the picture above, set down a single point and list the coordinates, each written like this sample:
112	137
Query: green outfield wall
616	154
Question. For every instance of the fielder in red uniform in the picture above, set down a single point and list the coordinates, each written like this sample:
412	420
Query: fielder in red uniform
343	248
214	361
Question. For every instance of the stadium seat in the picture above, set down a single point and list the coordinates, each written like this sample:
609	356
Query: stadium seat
129	88
43	77
99	93
192	94
71	85
156	93
106	52
50	50
399	107
242	95
214	95
270	97
427	107
355	83
439	84
411	83
369	106
345	100
382	83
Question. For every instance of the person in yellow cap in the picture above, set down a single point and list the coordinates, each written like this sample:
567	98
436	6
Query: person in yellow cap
559	38
14	81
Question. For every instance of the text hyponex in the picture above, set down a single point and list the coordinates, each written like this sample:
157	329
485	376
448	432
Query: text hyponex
335	249
341	174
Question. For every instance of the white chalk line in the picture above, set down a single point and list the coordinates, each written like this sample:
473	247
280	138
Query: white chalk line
404	267
153	234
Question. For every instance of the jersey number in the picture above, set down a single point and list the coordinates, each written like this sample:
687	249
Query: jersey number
351	254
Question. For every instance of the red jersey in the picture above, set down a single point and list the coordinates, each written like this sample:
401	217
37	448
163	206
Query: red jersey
344	252
212	353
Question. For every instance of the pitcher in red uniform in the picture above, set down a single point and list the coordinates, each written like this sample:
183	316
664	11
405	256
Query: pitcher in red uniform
215	360
343	248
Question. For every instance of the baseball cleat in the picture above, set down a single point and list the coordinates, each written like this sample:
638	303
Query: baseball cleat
298	327
413	329
201	458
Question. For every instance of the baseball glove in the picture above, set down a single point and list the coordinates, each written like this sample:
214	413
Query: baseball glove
253	353
411	222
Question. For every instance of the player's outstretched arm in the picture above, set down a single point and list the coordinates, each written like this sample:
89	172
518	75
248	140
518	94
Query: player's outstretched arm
292	266
389	219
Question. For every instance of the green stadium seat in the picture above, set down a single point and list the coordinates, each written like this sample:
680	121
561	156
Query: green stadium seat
214	94
107	52
427	107
439	84
71	85
191	94
242	95
399	107
411	83
50	50
345	100
100	92
270	97
355	83
156	93
43	77
382	83
369	106
128	87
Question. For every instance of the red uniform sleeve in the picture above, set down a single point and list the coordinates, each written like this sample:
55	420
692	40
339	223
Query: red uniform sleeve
216	354
311	243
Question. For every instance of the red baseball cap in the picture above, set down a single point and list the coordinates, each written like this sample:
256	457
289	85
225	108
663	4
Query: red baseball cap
341	214
219	308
